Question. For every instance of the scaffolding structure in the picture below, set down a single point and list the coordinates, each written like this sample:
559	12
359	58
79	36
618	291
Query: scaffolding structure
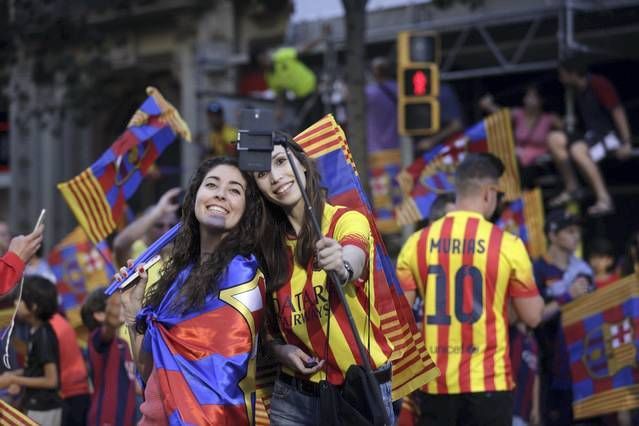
505	37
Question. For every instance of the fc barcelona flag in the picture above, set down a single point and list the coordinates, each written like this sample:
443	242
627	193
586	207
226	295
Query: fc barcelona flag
412	365
602	335
433	172
98	195
79	267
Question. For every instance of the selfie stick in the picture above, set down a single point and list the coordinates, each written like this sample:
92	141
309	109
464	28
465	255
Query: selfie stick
281	138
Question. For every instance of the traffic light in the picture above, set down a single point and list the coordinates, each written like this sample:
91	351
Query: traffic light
418	83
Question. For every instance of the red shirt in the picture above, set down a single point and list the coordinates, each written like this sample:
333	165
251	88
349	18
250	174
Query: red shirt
73	370
11	268
600	283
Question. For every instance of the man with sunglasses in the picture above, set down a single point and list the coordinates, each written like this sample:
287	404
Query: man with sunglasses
467	271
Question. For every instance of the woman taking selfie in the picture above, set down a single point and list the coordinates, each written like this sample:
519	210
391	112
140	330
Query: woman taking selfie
309	332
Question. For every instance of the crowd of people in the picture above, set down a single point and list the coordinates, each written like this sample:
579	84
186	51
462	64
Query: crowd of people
248	277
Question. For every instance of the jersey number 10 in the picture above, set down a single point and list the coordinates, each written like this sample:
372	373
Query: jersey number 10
442	316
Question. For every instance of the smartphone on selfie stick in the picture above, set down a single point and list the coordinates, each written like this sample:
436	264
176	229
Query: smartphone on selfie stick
257	138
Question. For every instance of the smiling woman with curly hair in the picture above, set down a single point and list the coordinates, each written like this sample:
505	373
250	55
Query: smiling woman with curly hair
194	334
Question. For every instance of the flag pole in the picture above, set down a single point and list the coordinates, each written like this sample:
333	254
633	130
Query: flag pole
284	139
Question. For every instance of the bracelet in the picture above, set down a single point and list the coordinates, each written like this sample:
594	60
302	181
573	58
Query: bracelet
349	270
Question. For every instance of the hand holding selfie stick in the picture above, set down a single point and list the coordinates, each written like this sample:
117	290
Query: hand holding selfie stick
281	138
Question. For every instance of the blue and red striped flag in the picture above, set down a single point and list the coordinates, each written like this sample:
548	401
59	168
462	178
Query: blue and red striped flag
80	267
98	195
412	366
602	336
207	377
433	172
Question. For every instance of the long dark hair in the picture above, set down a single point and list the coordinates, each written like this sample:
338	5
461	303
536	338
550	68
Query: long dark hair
273	250
241	240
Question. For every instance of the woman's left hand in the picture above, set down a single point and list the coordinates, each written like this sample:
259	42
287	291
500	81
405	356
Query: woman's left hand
330	257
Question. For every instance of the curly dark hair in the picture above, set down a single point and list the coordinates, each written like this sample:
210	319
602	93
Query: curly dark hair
275	264
203	279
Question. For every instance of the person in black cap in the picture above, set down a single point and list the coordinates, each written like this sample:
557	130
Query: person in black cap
222	138
561	277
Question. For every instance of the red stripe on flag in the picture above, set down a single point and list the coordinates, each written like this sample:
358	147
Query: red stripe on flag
490	282
82	203
466	327
84	184
300	138
311	144
149	155
317	148
107	178
101	202
117	210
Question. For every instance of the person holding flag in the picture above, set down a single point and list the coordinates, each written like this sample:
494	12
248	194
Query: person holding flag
200	321
309	333
467	270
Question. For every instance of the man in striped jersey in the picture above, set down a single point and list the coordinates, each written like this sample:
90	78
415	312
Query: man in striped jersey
467	270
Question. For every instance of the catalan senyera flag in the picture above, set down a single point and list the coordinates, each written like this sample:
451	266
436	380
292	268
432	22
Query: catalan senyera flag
326	143
433	172
98	195
524	217
602	336
11	416
80	266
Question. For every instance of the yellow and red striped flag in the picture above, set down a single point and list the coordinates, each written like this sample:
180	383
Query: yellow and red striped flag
11	416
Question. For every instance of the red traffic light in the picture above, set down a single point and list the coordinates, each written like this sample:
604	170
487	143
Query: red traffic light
418	82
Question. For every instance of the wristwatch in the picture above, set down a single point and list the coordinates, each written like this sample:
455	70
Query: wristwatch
349	269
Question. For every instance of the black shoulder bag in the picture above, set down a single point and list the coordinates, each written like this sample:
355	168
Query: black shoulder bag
353	403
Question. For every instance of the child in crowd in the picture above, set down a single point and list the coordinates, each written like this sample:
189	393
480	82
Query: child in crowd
74	381
524	358
40	377
602	262
111	368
